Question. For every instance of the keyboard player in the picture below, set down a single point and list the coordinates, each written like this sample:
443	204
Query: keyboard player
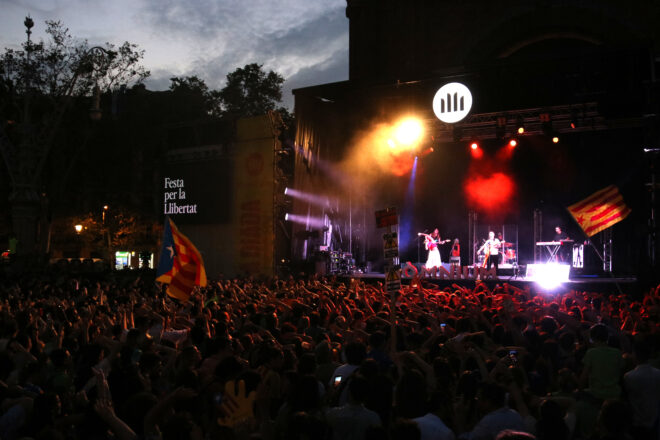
564	253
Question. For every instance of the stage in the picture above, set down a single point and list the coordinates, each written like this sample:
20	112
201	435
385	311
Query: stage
588	283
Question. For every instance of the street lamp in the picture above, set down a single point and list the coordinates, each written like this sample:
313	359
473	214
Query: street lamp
94	56
25	161
29	23
106	234
78	228
95	111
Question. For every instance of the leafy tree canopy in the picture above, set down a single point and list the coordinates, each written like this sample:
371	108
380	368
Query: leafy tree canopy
64	66
250	92
197	99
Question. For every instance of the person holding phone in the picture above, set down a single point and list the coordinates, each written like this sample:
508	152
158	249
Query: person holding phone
351	420
354	353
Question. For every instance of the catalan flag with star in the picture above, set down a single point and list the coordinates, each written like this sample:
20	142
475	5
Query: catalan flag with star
600	210
181	265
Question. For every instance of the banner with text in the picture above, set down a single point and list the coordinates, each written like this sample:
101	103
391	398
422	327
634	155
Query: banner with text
197	192
253	196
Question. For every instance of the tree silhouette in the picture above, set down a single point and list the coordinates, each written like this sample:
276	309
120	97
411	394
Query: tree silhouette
250	92
39	85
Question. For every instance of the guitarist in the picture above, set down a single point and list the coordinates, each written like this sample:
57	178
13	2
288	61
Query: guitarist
491	248
431	242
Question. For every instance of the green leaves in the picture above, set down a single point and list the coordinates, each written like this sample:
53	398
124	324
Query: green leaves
250	92
62	66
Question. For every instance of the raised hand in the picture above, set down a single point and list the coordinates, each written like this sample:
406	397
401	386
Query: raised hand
237	406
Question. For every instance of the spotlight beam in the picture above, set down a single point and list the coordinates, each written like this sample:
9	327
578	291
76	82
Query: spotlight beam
314	199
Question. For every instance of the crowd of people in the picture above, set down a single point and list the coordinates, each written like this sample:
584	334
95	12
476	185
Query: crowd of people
323	358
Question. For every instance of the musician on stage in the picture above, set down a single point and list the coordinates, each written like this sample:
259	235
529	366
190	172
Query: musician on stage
560	235
563	254
455	253
431	242
492	250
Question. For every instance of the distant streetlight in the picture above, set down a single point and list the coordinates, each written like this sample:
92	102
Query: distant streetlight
78	228
106	234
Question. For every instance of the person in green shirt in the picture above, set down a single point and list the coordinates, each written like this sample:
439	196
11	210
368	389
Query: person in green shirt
603	366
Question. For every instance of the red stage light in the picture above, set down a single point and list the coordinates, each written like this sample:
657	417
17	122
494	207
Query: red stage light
489	193
426	152
513	143
402	164
475	151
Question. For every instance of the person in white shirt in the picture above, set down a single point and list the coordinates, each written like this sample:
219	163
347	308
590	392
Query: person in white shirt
491	248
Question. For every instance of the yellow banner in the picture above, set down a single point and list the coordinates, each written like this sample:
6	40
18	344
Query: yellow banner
253	196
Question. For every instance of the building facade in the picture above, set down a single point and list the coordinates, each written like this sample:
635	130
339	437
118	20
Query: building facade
583	72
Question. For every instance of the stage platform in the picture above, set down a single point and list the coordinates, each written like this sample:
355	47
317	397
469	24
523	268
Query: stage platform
588	283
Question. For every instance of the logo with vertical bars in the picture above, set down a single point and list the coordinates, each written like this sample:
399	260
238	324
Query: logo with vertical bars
452	102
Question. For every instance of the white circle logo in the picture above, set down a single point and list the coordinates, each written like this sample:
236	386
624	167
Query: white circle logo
452	102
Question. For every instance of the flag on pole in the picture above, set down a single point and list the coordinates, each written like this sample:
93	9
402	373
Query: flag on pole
181	265
600	210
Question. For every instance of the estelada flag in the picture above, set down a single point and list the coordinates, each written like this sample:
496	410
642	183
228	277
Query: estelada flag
181	265
600	210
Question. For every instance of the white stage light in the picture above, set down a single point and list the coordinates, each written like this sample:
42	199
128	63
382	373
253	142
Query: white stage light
548	276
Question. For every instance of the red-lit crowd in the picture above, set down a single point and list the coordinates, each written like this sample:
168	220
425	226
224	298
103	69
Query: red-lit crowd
322	358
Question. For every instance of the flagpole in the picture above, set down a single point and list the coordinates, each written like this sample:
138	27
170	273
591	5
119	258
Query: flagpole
602	259
599	212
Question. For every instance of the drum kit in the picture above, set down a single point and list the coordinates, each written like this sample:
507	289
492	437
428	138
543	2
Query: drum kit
508	255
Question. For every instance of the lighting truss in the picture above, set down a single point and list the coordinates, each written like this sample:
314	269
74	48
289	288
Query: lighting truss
484	125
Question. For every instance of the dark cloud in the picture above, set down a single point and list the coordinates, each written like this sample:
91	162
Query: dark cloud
312	39
306	43
200	18
335	69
